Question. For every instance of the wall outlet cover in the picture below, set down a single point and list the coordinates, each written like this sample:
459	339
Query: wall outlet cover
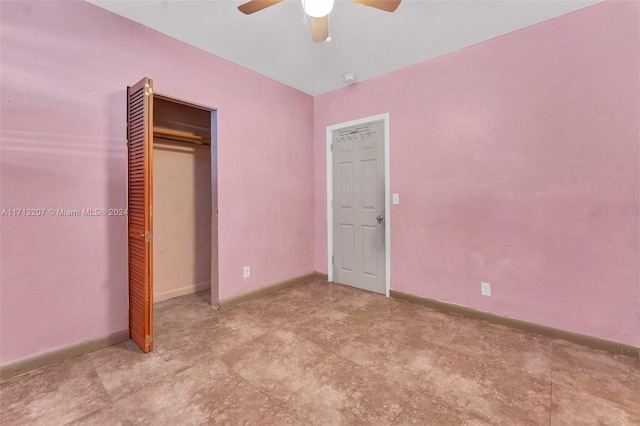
485	289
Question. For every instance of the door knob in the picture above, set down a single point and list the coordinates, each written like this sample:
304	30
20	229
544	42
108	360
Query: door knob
379	218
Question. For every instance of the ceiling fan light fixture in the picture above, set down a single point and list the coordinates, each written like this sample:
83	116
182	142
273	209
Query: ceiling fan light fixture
317	8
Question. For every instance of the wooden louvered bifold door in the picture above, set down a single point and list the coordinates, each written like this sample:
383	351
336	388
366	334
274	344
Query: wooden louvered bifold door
140	203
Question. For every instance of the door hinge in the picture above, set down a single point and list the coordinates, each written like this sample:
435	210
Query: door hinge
331	147
146	236
147	89
332	260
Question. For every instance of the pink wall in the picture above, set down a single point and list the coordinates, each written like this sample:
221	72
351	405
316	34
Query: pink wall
517	163
65	68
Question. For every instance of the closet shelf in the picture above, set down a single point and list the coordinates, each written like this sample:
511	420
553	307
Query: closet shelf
177	135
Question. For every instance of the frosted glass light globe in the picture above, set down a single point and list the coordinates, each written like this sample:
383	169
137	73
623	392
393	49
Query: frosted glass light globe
317	8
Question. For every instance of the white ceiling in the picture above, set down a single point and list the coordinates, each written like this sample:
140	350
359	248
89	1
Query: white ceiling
368	42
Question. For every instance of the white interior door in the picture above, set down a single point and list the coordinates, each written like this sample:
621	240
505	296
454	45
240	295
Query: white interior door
359	206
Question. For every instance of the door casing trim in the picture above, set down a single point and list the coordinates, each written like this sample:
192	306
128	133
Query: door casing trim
384	118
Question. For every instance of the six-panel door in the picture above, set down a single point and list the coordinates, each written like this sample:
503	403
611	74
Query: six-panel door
358	206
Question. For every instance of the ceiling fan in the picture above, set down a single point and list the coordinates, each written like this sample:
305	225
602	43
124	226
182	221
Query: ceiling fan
318	11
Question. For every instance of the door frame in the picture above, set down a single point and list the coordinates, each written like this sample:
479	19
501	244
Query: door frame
384	118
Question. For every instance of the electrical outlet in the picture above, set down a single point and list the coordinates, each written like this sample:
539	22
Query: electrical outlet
246	272
485	289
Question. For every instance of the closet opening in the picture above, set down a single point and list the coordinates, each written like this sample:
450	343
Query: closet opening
182	199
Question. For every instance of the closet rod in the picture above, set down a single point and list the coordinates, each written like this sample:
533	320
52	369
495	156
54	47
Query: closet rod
179	139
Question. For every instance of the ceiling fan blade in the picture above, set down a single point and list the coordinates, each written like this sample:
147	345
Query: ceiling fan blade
319	28
386	5
256	5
